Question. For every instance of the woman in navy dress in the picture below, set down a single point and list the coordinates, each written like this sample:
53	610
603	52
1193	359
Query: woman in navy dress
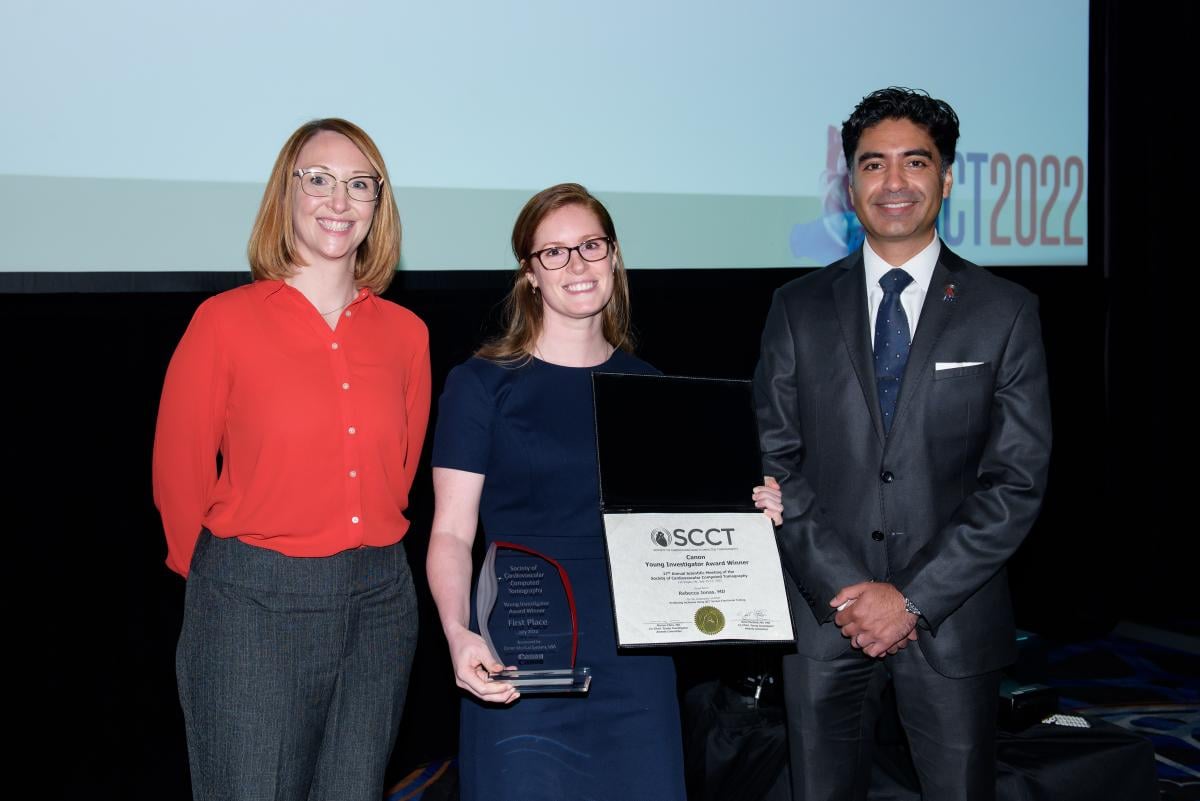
515	446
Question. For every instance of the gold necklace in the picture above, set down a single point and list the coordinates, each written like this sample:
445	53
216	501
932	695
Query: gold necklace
339	308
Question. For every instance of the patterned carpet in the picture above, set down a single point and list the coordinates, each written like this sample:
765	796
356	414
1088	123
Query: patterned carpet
436	781
1148	687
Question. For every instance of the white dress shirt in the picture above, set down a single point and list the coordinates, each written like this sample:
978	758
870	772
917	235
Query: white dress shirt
920	267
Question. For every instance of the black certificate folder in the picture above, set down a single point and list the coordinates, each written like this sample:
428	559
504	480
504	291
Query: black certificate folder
691	561
674	443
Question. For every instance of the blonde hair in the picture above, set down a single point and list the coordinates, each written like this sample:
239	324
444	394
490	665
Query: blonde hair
523	307
272	249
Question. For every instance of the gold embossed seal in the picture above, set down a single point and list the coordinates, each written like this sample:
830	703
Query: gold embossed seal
710	620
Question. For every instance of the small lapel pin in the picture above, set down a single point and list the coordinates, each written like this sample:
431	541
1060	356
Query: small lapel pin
950	293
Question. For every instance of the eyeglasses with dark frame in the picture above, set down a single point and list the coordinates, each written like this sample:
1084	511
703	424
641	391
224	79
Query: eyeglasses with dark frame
556	257
318	183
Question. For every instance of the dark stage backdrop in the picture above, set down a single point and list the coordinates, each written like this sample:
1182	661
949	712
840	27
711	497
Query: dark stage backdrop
99	621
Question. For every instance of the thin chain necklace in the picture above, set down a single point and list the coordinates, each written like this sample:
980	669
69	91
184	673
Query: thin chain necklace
339	308
609	349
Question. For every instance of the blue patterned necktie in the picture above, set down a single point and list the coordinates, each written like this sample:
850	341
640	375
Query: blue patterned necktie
891	343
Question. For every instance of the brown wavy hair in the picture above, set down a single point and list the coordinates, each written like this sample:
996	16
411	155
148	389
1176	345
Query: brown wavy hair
272	249
523	307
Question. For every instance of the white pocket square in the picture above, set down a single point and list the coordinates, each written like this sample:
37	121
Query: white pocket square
953	365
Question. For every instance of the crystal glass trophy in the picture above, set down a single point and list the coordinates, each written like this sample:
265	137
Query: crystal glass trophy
526	613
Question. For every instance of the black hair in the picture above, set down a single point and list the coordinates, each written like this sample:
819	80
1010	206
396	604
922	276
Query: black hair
901	103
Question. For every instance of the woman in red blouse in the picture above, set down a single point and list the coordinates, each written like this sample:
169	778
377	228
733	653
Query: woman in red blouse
300	619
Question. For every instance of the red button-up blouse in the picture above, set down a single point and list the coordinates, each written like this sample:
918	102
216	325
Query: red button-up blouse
319	430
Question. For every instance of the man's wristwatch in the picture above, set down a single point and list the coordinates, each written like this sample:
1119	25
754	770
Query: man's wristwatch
911	608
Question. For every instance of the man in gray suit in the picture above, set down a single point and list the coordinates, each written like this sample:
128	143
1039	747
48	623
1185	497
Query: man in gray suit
902	403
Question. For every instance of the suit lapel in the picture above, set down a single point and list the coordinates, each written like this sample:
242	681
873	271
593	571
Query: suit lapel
936	312
850	298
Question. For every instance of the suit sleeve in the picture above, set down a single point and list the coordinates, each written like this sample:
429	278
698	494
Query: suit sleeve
991	522
812	550
191	422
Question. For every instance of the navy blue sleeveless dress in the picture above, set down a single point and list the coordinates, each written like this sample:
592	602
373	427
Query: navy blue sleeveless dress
530	431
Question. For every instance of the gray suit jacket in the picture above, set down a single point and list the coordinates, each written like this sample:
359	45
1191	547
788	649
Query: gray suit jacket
937	506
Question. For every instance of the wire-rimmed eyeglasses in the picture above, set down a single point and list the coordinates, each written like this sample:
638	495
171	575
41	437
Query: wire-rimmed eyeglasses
319	183
557	256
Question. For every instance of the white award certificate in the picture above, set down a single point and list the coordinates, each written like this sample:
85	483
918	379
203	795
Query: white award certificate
682	578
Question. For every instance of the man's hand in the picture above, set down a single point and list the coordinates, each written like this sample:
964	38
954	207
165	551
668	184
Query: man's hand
872	615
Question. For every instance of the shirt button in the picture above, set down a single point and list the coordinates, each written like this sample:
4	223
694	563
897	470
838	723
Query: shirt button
354	519
347	312
887	477
353	474
345	385
877	536
334	346
352	430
